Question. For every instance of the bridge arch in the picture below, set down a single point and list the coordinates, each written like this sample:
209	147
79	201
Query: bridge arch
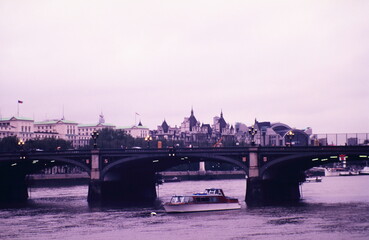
301	161
167	162
61	159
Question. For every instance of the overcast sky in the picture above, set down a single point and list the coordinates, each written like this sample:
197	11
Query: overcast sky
303	63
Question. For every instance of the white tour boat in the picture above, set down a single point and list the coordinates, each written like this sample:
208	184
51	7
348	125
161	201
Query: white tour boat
212	199
364	171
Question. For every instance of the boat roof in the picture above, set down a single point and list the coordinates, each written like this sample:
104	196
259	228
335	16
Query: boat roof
207	192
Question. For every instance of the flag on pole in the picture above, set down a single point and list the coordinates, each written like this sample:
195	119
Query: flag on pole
19	101
137	114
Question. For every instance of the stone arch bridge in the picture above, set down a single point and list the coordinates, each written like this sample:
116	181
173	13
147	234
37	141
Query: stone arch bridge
128	175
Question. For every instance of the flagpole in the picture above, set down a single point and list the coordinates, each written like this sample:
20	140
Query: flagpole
18	109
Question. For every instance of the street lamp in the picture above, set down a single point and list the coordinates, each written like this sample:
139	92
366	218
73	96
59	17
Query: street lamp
148	138
290	136
21	144
252	133
95	135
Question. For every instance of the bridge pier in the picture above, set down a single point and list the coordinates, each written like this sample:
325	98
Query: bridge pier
272	191
281	188
13	187
128	184
131	187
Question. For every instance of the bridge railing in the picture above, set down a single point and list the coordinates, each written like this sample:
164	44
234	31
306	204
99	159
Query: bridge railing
161	150
340	139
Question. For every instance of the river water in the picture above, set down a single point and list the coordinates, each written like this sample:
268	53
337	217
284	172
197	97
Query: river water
336	208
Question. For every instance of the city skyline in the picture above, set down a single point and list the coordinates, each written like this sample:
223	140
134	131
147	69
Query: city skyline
303	64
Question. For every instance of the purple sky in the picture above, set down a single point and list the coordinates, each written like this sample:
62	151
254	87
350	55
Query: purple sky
303	63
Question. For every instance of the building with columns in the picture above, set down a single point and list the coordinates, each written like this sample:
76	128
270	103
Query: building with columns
138	131
21	127
85	130
59	129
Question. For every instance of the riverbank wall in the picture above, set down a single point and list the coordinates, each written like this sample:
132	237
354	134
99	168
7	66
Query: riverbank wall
44	180
202	175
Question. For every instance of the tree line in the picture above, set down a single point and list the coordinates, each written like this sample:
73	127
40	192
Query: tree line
107	139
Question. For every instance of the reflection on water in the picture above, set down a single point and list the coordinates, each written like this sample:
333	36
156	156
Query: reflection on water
336	208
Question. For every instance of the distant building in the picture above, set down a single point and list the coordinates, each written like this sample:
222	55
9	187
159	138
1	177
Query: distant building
219	124
59	129
138	131
166	132
85	130
222	131
193	132
275	134
189	123
21	127
241	131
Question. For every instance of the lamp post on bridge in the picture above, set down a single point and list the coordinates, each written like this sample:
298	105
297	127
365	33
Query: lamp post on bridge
290	136
95	135
252	133
21	145
148	138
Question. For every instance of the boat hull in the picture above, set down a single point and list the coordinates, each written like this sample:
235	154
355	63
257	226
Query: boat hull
364	171
203	207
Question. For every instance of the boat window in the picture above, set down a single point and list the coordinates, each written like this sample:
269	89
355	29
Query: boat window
188	199
202	199
211	191
177	199
214	191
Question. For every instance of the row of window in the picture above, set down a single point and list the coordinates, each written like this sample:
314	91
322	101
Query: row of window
6	134
25	128
70	131
86	129
42	127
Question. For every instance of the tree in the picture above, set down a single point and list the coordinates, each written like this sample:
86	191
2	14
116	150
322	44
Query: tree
110	138
48	144
9	144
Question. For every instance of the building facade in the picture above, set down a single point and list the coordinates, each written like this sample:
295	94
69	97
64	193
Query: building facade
58	129
21	127
190	133
138	131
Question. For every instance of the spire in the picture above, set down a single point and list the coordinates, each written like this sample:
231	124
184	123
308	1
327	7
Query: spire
165	126
140	124
192	120
222	122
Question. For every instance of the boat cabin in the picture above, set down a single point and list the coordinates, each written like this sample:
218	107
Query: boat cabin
212	199
214	191
211	195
